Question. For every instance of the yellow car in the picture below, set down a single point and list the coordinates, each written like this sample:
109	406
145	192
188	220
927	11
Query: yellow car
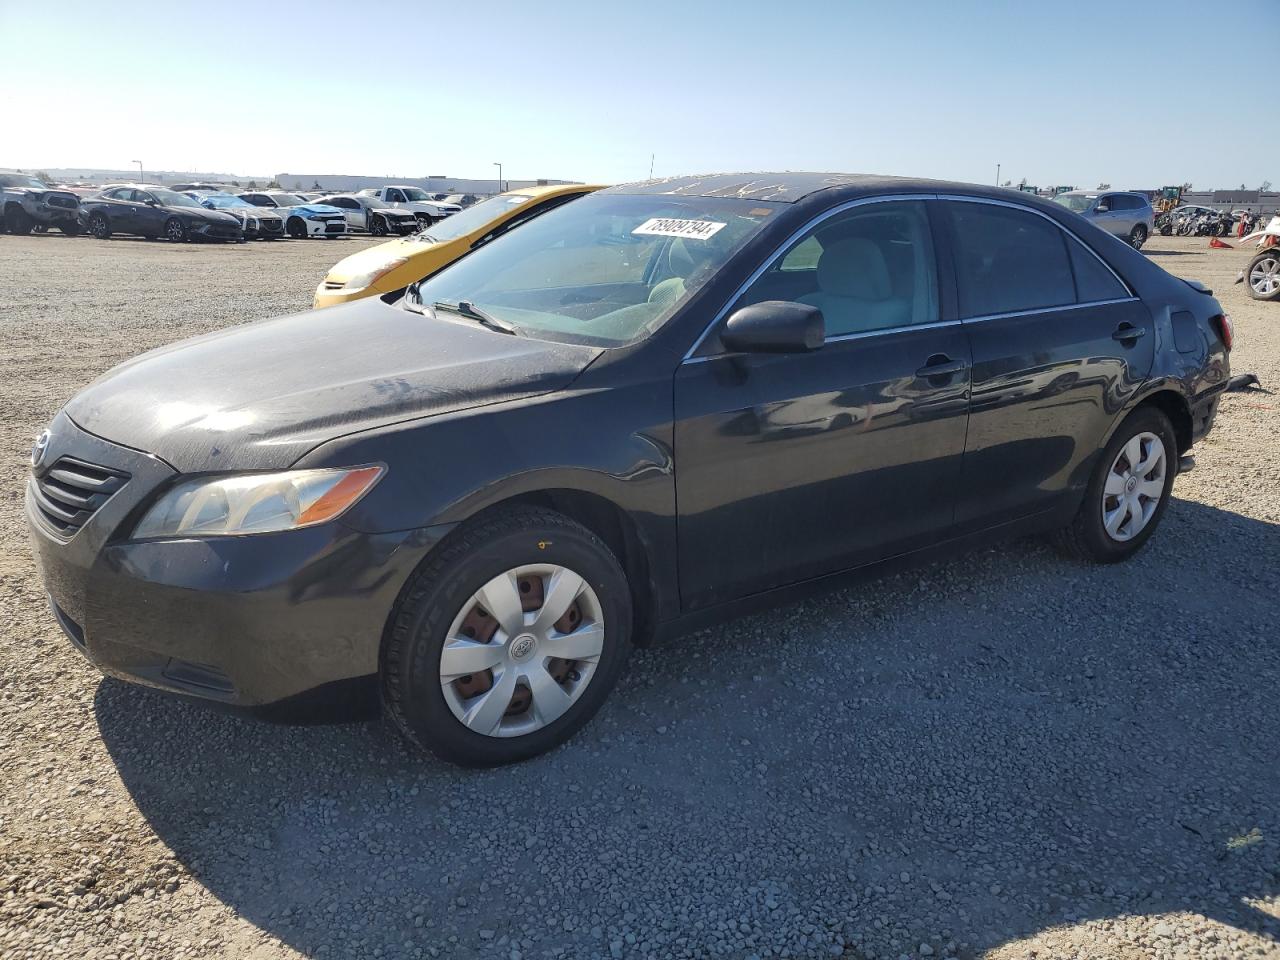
398	263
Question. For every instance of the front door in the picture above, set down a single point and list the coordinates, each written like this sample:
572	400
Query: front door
793	466
149	215
1059	347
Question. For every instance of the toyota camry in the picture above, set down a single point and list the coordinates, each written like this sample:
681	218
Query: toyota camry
645	411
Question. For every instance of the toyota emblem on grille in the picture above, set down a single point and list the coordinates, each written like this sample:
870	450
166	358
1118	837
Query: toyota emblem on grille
39	448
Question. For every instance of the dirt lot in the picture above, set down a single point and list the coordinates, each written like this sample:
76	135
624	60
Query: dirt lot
1009	755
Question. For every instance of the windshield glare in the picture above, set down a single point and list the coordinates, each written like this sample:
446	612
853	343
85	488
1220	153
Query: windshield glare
471	219
220	202
9	180
607	269
1074	202
286	199
168	198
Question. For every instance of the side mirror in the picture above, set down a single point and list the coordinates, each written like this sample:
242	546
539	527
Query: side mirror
1102	208
774	326
152	202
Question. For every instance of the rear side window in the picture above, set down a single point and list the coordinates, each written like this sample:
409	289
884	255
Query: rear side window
1122	202
1008	260
1094	281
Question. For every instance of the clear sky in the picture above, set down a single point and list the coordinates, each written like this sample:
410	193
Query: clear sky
1057	92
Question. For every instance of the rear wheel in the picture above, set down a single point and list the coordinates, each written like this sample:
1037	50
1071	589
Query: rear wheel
99	226
296	229
1128	491
1138	236
175	231
18	221
508	639
1263	275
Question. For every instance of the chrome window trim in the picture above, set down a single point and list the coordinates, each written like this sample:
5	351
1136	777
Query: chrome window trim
841	337
1057	309
783	247
1040	213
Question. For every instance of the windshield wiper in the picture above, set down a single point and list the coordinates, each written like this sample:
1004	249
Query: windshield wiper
466	308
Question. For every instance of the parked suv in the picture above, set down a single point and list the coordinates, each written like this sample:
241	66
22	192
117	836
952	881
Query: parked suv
1127	215
29	204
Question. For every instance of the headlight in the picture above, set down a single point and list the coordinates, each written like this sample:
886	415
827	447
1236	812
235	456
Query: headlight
370	277
256	502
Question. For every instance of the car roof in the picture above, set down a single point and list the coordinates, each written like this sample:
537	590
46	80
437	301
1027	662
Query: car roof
551	190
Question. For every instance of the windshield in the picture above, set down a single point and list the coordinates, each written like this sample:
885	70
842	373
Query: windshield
1074	201
10	180
471	219
607	269
413	193
220	202
168	198
286	199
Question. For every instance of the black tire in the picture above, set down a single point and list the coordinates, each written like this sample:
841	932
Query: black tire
480	550
1138	236
17	221
100	226
296	229
378	226
72	228
1086	538
1266	285
175	231
39	228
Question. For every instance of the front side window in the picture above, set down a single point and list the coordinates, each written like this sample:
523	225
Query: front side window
395	196
413	193
607	269
1007	260
869	268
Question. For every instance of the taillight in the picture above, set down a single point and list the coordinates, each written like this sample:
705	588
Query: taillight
1225	329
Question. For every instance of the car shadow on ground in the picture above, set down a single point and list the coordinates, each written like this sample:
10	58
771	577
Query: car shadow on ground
976	751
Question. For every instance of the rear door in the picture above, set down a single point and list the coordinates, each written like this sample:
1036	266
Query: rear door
1059	346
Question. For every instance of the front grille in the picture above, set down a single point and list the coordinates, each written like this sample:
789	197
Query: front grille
71	491
335	227
334	284
65	202
271	226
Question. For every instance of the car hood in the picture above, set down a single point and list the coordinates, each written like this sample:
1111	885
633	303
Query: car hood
373	258
258	397
313	208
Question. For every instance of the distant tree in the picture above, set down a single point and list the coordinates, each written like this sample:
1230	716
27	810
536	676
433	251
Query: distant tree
274	184
315	185
1007	183
235	183
297	184
1266	185
43	175
1243	187
1104	186
253	184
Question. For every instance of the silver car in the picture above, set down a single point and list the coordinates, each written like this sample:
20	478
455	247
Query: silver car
1127	215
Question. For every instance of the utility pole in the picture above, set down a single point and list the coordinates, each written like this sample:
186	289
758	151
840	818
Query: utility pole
142	177
651	166
499	166
997	174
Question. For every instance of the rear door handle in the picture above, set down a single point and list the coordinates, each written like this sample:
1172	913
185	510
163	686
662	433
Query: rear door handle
1127	333
940	365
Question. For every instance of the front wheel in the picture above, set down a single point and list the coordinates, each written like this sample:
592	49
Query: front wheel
18	221
378	227
175	231
1263	274
508	639
1127	493
296	229
1138	236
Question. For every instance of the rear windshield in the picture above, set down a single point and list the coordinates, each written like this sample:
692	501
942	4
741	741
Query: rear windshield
607	269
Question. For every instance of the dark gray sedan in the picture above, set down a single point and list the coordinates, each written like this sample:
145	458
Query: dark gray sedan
149	211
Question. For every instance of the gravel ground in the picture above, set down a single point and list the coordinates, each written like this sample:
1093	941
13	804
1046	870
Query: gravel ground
1009	755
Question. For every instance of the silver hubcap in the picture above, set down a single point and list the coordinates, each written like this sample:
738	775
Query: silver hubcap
522	650
1134	486
1265	276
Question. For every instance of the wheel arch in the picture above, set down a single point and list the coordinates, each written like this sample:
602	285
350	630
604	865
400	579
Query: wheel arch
620	532
1173	404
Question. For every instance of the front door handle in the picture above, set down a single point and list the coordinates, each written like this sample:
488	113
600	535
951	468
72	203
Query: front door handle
1127	333
940	365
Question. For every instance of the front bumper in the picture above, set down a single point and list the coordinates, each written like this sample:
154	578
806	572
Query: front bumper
326	297
326	228
217	231
247	621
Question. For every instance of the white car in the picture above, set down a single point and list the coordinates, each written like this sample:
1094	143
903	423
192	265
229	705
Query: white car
369	216
403	197
301	219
